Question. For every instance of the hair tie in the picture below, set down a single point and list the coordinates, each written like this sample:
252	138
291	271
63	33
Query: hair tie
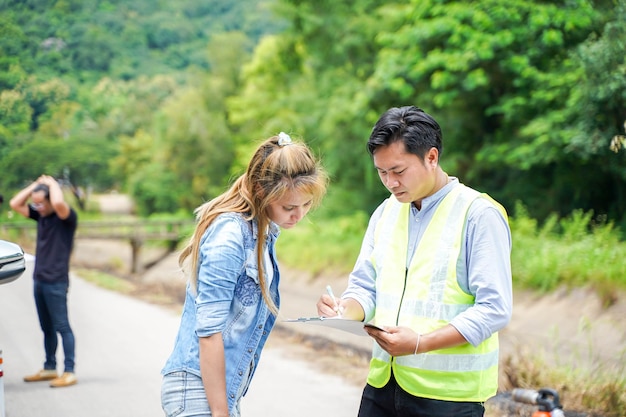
284	139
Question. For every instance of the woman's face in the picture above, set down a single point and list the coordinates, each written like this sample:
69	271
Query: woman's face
289	210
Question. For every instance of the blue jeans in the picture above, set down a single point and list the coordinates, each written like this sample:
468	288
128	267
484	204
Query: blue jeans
182	395
51	302
393	401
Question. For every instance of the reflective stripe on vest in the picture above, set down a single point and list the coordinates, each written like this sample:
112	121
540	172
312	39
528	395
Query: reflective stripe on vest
428	301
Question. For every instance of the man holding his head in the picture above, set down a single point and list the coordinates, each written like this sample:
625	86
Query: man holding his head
56	226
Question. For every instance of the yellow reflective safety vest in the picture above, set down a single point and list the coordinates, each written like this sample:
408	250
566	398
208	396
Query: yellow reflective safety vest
426	296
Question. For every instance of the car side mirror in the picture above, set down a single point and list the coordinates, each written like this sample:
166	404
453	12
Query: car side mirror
12	262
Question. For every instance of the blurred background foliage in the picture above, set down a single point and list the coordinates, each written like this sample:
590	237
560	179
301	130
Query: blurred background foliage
165	100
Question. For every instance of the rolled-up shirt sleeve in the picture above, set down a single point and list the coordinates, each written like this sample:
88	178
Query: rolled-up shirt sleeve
488	265
222	257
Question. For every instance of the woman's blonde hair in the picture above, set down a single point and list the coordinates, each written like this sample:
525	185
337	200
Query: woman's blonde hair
277	167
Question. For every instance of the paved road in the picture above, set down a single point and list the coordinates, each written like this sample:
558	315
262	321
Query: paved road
121	345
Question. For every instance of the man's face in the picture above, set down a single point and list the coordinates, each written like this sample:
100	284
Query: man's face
404	174
41	204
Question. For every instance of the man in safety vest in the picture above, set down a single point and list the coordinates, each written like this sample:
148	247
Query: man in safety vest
435	273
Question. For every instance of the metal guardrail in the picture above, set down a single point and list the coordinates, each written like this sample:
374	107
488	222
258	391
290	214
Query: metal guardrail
135	232
140	230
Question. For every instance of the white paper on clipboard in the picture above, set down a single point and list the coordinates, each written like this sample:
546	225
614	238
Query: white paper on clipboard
346	325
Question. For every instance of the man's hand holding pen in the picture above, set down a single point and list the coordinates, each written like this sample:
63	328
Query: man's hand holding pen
336	307
328	305
347	308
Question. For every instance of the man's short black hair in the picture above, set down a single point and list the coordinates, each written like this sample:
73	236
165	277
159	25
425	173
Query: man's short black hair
44	188
418	130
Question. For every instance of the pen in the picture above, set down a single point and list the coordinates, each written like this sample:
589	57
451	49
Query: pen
332	295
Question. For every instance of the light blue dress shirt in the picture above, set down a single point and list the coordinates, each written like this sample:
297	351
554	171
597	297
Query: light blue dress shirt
483	269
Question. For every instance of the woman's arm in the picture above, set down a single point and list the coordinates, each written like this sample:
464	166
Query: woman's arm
213	370
222	255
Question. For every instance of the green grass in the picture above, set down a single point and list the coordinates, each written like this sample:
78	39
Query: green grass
319	245
107	281
600	391
575	251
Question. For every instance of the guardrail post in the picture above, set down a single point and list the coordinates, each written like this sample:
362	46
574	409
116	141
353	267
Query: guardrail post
135	266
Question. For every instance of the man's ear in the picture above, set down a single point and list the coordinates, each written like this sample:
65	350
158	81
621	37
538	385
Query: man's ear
432	157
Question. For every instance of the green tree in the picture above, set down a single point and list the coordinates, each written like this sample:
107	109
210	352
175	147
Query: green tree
41	96
15	113
310	81
85	161
12	42
482	67
572	140
196	147
134	152
188	138
154	190
90	48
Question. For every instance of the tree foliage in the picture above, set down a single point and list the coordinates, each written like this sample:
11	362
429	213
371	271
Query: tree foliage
168	99
113	93
505	80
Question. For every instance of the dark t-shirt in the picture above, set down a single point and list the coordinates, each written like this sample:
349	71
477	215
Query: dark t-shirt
55	238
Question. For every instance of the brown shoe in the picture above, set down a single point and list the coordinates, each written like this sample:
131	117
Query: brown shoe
43	375
65	380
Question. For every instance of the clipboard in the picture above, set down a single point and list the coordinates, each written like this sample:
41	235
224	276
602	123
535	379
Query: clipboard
346	325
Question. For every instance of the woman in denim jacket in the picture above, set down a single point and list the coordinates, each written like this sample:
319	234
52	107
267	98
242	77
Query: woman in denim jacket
232	294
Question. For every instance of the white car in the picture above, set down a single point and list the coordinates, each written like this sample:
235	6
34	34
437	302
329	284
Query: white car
12	266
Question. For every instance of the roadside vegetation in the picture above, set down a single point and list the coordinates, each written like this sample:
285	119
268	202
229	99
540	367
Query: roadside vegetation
597	391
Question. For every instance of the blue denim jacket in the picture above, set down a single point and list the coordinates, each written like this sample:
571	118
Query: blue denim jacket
228	300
